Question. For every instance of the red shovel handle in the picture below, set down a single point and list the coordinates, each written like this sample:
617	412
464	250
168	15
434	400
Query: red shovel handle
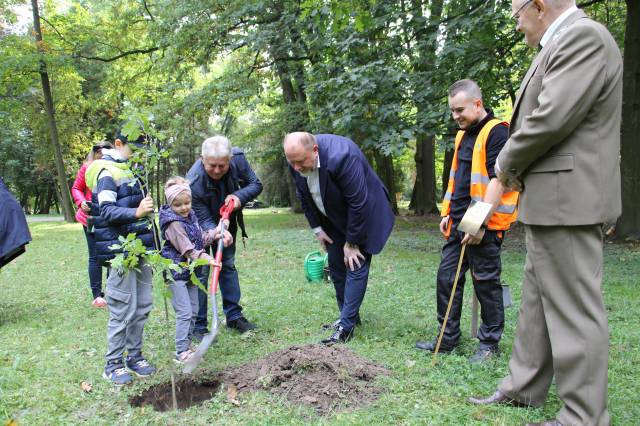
227	209
225	212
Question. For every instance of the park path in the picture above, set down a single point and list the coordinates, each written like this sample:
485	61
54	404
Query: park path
37	218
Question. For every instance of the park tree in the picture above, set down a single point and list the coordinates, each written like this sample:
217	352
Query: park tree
629	223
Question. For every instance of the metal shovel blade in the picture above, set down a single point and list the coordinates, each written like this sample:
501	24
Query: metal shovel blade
195	359
206	341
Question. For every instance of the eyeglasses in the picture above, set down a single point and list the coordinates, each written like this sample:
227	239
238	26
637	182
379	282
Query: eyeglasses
516	15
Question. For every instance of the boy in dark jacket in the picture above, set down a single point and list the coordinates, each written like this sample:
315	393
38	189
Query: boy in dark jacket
123	209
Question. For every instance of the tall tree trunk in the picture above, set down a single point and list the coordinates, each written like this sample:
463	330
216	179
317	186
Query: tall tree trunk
385	171
628	225
48	101
424	197
425	185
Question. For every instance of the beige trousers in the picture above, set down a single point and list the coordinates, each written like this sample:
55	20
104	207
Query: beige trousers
562	326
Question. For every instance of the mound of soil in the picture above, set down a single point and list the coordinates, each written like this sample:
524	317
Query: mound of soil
328	378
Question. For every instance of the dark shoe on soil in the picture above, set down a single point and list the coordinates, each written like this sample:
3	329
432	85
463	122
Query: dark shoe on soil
339	336
498	398
241	324
483	355
336	324
117	374
140	367
431	347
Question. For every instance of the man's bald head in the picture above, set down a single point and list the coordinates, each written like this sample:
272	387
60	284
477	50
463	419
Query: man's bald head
301	150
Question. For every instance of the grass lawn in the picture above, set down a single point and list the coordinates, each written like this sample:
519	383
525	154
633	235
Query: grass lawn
52	339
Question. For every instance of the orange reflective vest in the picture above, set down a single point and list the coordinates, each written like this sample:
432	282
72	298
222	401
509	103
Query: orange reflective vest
506	212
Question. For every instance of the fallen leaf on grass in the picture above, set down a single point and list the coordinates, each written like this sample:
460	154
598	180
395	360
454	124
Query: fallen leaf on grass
86	386
11	422
232	394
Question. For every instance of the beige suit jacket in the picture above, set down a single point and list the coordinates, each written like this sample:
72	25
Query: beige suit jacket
565	130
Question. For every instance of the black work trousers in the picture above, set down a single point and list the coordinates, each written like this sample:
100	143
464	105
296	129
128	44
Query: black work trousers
484	261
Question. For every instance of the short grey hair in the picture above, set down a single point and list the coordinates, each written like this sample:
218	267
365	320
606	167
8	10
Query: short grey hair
467	86
217	147
306	139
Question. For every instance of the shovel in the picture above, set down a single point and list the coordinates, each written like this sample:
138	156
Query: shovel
207	339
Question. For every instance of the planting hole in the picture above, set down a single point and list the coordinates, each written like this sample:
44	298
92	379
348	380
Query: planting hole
189	392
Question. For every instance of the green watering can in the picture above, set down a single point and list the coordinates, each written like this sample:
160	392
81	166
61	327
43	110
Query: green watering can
314	266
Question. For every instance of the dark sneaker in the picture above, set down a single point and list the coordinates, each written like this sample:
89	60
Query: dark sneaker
241	324
140	367
117	374
483	355
431	347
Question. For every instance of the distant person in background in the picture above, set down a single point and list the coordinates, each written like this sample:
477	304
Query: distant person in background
82	197
14	233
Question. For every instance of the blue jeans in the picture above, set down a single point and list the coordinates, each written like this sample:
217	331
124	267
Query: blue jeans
350	285
229	286
95	269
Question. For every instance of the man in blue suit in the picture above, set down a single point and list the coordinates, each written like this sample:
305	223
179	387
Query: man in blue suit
348	208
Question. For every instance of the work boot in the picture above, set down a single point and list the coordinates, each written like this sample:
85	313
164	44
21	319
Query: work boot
241	324
140	366
117	374
483	354
431	347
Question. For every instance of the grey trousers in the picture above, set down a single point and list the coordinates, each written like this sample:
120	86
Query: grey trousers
562	328
185	304
129	299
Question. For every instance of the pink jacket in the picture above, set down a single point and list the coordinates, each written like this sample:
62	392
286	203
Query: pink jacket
81	192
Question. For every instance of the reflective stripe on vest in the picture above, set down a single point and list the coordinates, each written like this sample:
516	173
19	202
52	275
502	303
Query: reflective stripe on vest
120	172
506	212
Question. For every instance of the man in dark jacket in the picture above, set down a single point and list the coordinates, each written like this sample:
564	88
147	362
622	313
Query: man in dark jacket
14	233
348	209
222	174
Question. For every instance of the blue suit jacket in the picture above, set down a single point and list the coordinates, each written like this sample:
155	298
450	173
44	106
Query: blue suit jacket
354	198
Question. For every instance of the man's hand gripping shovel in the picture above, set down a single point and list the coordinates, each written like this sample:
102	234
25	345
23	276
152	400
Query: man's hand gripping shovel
207	340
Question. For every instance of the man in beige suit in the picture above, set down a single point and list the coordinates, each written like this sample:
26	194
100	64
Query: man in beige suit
562	153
